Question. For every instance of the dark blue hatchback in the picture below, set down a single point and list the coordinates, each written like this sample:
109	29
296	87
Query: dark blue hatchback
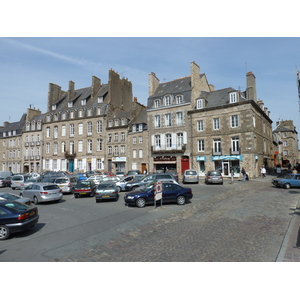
16	217
171	193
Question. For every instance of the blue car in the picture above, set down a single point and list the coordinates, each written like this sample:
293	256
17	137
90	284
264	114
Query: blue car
171	193
287	181
16	217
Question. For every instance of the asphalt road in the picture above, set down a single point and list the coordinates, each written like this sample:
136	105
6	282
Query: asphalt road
230	222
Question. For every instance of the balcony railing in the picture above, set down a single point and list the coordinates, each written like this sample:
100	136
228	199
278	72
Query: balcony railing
166	148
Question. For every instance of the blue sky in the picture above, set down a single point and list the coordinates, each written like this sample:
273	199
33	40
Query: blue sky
29	64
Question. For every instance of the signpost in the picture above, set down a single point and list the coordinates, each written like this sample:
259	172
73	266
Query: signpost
158	192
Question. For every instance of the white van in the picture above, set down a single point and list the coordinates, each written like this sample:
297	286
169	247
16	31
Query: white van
16	181
5	174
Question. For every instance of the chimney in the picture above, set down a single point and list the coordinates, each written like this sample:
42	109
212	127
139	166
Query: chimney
153	83
251	86
96	84
134	99
71	92
5	124
54	93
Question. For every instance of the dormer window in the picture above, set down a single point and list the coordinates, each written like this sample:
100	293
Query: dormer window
27	126
117	122
232	97
123	121
134	128
100	99
167	100
80	113
83	101
140	127
179	99
53	106
200	103
110	123
70	104
156	103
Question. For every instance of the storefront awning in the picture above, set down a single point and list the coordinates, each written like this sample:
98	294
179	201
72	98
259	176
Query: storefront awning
167	162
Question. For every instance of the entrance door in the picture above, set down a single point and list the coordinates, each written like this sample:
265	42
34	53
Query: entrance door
226	167
185	163
71	165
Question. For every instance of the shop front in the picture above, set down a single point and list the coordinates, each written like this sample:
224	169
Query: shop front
164	163
224	163
119	164
201	160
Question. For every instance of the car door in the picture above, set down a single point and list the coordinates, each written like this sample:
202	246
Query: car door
169	192
296	181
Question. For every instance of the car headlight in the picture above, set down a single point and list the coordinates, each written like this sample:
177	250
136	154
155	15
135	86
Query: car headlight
130	197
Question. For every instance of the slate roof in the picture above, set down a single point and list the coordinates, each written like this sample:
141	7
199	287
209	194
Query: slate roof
17	126
282	129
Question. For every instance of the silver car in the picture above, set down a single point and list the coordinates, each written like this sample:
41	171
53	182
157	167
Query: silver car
190	176
67	184
17	180
42	192
106	191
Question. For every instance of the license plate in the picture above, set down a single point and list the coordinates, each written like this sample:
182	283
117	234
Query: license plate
215	178
105	196
82	193
61	186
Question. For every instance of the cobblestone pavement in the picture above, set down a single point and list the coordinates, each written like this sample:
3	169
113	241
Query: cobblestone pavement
248	223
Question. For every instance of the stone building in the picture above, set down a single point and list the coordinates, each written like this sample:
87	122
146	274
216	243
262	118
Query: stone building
167	118
231	129
287	140
86	129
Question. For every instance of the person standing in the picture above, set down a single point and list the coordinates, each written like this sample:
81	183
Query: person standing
232	174
263	171
244	174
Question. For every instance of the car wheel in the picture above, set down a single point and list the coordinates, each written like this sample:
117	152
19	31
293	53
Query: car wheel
119	189
97	200
180	200
13	188
35	200
287	186
4	232
140	202
76	196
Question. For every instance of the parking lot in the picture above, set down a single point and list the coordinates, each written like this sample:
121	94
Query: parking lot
76	225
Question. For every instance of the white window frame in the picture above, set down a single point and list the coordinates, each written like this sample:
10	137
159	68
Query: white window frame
234	121
216	123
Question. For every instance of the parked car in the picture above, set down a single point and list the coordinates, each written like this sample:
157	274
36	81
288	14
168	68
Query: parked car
190	176
133	172
48	179
96	178
171	192
42	192
106	191
85	188
213	177
110	178
121	183
2	182
8	181
107	174
67	184
287	181
17	180
137	184
80	176
13	197
29	181
16	217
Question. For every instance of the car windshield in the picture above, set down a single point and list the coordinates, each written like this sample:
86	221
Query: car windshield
286	176
61	180
51	187
215	173
17	178
30	180
83	184
9	196
191	173
105	186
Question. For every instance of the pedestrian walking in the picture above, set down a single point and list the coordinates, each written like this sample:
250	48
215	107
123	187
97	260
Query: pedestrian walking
232	174
244	174
263	171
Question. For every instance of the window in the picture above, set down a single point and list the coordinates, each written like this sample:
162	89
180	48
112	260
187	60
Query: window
48	132
140	139
55	132
110	123
99	164
122	136
109	150
157	121
199	103
179	99
117	122
83	101
99	145
99	126
217	145
140	153
109	137
79	164
123	122
72	147
168	120
200	125
285	152
169	140
89	128
72	114
235	144
232	97
134	140
123	149
80	113
63	147
284	143
70	104
80	128
200	145
116	151
89	146
47	148
63	130
179	139
216	123
55	148
134	153
71	130
156	103
179	118
100	99
63	116
157	141
80	146
89	113
167	100
116	139
234	121
134	128
140	127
